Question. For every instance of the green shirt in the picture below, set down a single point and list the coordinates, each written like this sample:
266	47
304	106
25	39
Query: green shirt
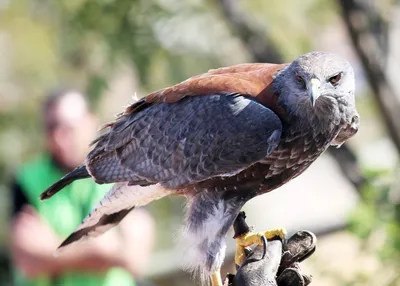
64	212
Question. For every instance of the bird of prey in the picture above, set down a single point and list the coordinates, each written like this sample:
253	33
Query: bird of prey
219	139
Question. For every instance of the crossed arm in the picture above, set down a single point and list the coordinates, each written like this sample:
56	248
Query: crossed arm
33	243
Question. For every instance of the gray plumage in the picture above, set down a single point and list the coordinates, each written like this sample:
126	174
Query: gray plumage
220	139
187	142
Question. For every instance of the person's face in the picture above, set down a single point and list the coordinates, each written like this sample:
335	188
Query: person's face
74	128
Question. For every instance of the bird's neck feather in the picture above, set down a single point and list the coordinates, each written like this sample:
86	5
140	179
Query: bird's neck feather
324	117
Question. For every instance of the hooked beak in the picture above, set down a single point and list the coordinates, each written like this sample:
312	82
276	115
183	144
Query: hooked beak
314	90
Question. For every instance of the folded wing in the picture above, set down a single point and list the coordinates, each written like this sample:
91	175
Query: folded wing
181	143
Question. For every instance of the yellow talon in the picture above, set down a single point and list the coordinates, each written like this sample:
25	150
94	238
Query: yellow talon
251	238
244	241
216	279
239	255
281	232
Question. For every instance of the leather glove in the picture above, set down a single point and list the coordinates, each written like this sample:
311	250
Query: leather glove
276	262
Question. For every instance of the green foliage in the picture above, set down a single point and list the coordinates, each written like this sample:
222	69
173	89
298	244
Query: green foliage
122	28
293	32
378	218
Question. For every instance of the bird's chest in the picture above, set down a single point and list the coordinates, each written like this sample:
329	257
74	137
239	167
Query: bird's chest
294	154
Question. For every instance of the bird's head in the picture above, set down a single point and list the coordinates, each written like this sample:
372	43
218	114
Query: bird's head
320	84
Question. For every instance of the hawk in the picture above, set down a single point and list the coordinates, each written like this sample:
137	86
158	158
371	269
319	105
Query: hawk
219	139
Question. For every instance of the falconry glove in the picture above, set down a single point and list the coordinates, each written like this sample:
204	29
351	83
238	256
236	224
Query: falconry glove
276	262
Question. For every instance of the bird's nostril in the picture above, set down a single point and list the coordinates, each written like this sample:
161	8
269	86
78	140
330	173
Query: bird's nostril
355	119
355	123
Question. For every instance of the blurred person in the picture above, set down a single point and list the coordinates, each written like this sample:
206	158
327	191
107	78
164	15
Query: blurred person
38	227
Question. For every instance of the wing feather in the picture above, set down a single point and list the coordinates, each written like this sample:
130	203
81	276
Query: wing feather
188	141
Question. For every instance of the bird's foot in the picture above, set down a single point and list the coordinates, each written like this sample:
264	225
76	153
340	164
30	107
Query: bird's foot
216	279
277	232
249	238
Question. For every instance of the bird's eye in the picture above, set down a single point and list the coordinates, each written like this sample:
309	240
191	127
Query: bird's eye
300	80
335	79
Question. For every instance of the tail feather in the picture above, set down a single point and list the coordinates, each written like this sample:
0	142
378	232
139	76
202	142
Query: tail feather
111	210
106	222
78	173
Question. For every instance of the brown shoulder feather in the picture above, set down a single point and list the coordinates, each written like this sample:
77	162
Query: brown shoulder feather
247	79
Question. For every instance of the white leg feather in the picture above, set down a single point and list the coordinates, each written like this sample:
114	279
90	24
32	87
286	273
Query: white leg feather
202	240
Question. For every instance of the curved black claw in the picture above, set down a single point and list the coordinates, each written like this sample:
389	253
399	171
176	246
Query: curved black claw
264	240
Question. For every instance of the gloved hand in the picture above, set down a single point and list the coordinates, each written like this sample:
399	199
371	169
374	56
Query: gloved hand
276	262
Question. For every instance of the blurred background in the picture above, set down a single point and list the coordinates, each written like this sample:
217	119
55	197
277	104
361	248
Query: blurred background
110	50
